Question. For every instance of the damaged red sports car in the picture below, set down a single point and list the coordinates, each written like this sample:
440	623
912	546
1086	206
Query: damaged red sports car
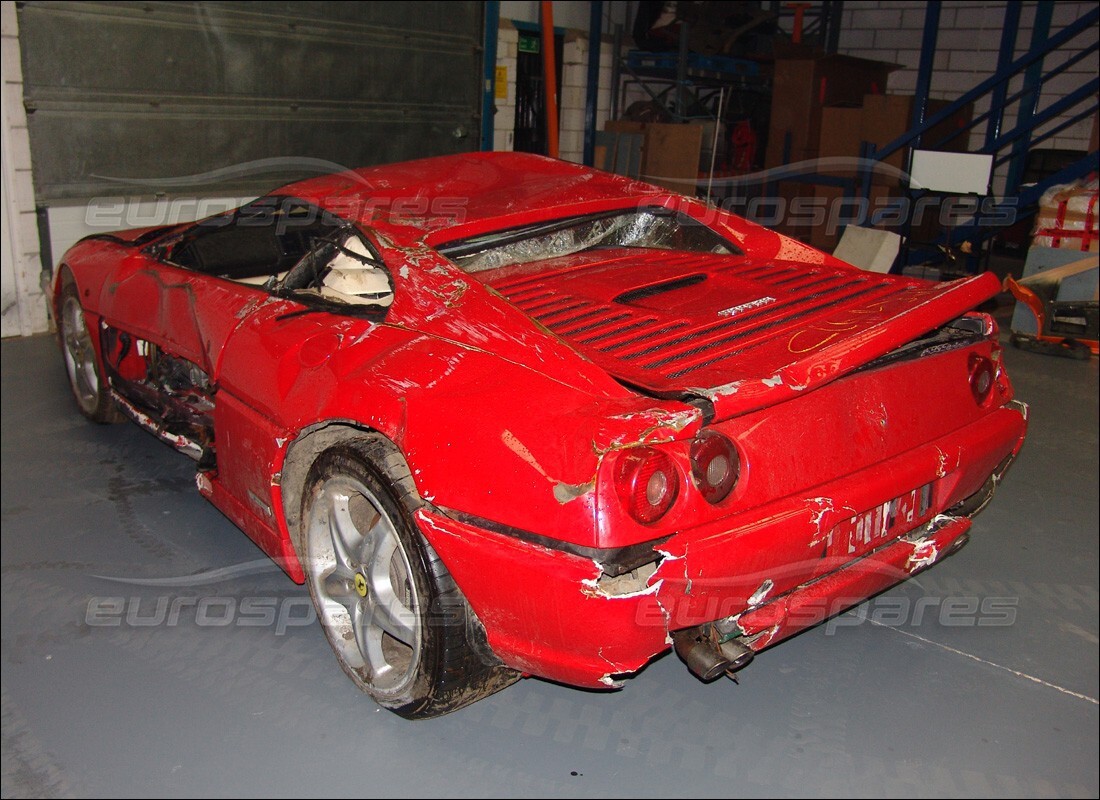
509	416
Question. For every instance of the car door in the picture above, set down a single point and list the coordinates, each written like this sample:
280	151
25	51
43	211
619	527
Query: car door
177	296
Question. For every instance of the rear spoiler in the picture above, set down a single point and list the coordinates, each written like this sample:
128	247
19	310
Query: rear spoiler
935	305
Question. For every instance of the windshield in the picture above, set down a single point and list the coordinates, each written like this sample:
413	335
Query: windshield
656	228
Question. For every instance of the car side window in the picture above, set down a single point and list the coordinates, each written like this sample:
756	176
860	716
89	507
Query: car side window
256	243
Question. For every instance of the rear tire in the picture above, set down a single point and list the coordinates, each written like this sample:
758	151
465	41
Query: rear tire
93	398
400	627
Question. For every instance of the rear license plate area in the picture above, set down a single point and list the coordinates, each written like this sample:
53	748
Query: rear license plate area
869	529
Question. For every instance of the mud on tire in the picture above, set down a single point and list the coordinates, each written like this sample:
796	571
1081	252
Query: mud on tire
395	618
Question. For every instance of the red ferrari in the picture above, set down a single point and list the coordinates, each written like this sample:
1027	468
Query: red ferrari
510	416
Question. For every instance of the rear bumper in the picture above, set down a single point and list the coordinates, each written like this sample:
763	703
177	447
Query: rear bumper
850	585
764	574
819	599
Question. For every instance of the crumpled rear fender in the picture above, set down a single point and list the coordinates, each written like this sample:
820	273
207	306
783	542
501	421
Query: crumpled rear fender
481	435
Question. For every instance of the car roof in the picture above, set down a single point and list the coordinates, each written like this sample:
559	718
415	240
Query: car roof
465	194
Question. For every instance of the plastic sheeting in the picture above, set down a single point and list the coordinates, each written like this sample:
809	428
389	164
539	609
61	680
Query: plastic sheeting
650	229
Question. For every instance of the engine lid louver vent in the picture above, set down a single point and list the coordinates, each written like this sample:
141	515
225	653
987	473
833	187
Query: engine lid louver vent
739	332
675	345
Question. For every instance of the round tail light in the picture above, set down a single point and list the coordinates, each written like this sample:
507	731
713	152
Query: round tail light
647	483
714	465
981	378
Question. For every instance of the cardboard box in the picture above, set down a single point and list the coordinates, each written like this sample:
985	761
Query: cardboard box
825	235
670	152
802	87
798	221
792	111
840	139
837	213
888	116
671	156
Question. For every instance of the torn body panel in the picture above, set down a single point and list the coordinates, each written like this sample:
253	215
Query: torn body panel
557	614
390	379
724	564
540	612
815	601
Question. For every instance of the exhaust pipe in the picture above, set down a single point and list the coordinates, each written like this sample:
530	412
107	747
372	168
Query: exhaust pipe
706	659
738	653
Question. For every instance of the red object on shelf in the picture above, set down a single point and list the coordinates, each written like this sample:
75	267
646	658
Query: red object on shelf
799	17
743	144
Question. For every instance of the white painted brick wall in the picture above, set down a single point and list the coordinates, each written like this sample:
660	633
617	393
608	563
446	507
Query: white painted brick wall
23	304
574	93
504	121
880	16
966	52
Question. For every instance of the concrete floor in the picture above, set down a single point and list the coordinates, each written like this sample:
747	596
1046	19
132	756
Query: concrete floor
978	678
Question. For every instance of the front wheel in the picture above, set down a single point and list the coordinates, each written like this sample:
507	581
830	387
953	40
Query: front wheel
85	377
399	625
